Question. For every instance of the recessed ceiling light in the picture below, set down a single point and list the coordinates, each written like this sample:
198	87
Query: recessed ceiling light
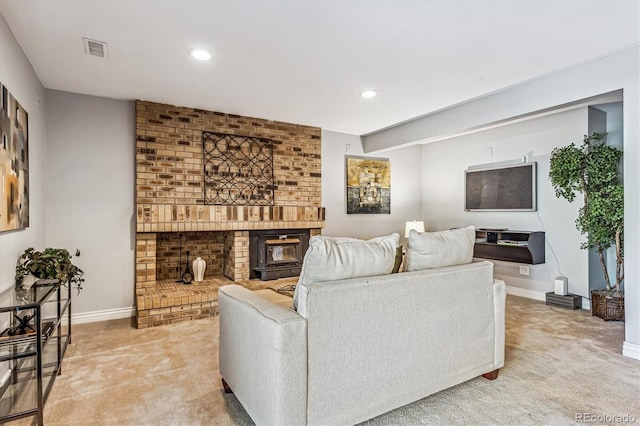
200	54
368	94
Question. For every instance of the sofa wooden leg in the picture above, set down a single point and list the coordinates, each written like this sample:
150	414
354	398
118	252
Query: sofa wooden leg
492	375
226	387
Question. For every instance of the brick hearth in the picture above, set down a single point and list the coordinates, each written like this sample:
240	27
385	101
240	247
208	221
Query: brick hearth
170	206
169	302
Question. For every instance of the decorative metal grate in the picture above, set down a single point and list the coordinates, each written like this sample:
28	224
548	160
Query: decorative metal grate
238	170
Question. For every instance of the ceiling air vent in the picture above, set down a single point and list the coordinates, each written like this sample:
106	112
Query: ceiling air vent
95	48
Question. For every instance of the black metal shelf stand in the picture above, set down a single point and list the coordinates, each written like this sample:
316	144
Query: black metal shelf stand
30	362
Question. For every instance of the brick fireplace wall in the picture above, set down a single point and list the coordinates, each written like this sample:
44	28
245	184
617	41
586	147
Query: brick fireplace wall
170	202
169	160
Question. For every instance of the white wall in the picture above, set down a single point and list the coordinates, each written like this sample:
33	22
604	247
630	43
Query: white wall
18	76
615	138
614	123
597	123
444	164
405	189
90	194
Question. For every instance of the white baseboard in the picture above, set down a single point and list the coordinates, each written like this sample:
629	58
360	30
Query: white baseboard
529	294
631	350
107	314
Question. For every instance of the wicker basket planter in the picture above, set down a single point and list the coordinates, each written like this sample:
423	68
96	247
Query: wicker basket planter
607	307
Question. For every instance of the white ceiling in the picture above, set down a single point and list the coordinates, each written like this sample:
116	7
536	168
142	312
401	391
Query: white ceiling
306	61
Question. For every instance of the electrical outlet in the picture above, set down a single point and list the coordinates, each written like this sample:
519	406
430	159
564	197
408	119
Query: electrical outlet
524	270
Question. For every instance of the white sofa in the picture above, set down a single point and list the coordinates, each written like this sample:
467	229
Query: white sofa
367	345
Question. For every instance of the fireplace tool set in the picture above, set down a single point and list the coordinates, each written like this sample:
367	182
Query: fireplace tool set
187	275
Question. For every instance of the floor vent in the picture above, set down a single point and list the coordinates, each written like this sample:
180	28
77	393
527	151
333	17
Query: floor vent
95	48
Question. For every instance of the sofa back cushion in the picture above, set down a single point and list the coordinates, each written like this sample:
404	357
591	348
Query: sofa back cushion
428	250
335	258
377	343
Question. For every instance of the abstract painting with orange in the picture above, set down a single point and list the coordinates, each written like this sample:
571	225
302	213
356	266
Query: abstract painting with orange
368	185
14	163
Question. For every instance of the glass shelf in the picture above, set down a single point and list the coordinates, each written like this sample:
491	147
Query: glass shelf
13	298
31	361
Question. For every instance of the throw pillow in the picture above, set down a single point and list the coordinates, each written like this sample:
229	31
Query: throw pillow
334	258
428	250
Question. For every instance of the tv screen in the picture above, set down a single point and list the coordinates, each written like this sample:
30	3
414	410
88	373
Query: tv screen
506	188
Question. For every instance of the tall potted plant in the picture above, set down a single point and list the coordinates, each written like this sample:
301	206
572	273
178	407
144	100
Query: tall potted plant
51	263
592	170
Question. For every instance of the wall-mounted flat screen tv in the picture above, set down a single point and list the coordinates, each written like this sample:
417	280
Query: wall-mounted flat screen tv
504	188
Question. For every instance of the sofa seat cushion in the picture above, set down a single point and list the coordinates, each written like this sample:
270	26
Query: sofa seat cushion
335	258
427	250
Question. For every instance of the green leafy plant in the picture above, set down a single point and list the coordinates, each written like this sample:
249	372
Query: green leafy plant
592	170
51	263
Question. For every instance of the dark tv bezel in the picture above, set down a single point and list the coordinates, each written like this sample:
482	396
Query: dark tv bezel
534	186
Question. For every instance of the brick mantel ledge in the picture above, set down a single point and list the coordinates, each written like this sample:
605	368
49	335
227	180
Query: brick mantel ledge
182	218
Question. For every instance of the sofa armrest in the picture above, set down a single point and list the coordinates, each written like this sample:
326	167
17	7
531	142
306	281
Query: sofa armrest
499	296
263	356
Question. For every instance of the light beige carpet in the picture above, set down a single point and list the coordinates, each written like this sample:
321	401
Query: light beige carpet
558	363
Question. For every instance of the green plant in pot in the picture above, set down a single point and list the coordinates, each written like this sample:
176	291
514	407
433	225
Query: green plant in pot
51	263
593	170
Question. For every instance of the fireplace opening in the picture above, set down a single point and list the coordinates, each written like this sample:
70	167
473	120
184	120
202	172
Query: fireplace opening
277	253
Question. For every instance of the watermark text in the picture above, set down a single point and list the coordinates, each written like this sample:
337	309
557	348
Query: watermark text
605	418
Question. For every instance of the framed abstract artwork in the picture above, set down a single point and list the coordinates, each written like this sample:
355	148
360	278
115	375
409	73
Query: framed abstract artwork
14	163
368	185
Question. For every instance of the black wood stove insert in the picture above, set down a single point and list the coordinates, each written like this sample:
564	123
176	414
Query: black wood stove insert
277	253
